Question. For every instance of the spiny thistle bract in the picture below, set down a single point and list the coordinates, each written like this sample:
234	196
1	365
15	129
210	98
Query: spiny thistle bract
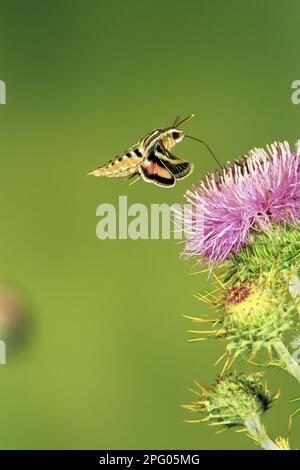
283	443
232	401
272	256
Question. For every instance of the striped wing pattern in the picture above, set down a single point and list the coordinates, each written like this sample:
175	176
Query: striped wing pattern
162	168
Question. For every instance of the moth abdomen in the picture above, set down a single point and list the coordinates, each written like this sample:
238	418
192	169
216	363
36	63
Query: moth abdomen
120	166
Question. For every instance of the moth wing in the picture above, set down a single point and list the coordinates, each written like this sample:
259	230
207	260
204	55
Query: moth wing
153	170
179	168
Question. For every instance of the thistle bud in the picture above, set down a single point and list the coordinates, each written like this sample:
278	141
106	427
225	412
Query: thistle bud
232	400
254	317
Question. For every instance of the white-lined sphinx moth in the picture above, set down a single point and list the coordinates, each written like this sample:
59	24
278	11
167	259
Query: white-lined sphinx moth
151	158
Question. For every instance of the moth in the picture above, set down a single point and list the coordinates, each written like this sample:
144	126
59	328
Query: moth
151	158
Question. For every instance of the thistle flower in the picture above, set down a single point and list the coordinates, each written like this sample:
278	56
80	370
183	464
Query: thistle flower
249	196
248	219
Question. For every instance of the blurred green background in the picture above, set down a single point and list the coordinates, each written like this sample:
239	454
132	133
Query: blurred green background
108	363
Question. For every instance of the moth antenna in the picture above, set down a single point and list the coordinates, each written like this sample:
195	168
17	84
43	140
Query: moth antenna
177	120
208	148
178	123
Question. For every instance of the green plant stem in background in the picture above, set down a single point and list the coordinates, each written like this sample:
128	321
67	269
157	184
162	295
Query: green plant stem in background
258	432
283	354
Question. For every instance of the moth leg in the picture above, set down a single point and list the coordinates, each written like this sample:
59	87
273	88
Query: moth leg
134	181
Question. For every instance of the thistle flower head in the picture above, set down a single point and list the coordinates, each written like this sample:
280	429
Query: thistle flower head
250	195
233	400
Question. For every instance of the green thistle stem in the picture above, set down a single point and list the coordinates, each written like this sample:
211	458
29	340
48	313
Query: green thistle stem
283	354
258	432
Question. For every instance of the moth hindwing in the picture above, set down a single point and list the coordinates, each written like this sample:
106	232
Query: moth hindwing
162	168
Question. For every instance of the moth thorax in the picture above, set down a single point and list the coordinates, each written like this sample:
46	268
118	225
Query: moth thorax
171	138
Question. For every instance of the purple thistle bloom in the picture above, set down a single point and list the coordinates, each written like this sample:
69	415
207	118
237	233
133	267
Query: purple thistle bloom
250	194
